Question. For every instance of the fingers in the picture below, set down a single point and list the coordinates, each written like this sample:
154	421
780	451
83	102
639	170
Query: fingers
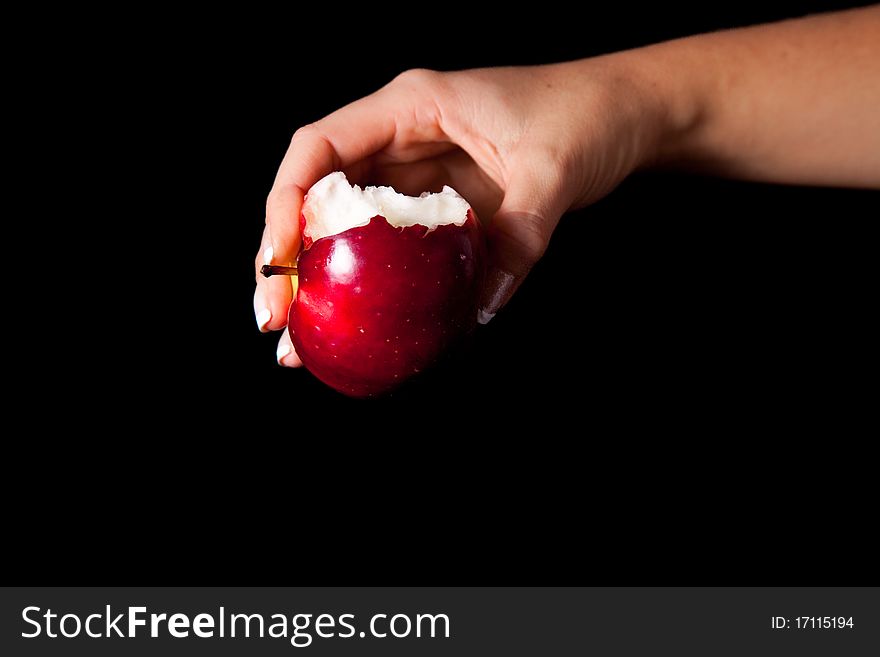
519	234
285	354
262	311
402	115
338	141
271	301
310	157
342	140
516	243
273	295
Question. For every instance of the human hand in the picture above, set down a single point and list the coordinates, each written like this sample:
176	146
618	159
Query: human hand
522	145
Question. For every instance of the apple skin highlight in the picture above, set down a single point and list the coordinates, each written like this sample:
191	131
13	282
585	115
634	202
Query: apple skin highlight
378	304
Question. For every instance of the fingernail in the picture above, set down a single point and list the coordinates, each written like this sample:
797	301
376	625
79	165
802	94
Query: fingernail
264	316
282	351
483	317
268	254
500	285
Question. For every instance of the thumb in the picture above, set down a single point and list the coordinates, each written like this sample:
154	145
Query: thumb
518	235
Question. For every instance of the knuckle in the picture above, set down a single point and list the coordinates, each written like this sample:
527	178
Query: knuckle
533	238
303	131
420	78
527	234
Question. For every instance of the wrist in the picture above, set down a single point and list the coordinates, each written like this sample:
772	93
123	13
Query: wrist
649	104
670	90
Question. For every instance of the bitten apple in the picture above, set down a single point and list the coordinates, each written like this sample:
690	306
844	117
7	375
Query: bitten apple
387	283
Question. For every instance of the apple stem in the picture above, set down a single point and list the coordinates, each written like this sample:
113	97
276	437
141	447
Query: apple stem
277	270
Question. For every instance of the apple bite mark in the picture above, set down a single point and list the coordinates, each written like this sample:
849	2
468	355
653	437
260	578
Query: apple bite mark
387	283
332	206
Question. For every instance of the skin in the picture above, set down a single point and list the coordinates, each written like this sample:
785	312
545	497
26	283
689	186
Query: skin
792	102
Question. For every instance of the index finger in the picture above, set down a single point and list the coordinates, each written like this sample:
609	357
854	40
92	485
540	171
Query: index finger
344	137
336	142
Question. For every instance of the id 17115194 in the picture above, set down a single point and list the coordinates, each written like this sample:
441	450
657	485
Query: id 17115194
812	623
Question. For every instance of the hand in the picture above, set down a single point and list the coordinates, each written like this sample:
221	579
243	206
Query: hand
522	145
790	102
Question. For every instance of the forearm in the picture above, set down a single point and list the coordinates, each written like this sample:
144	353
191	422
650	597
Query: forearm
795	102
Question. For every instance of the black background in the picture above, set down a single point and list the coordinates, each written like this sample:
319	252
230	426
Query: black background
680	392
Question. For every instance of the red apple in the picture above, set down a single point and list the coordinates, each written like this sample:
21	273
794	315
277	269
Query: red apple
387	283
